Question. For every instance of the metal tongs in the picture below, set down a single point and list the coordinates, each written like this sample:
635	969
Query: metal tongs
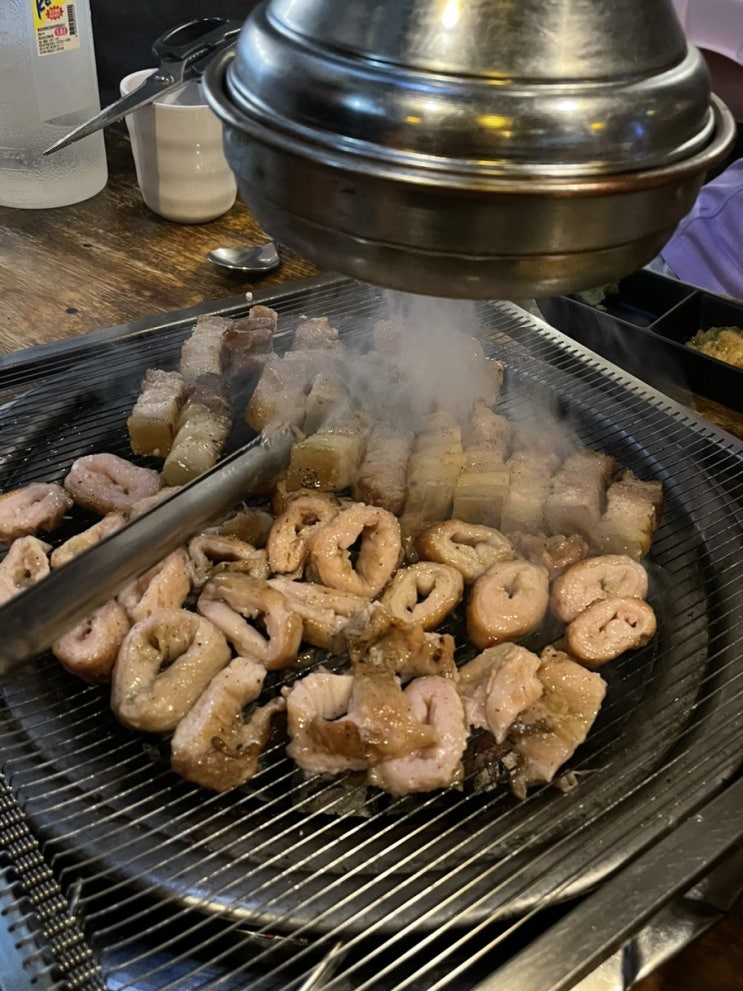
32	621
183	54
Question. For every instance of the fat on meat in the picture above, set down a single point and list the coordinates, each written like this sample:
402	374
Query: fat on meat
548	732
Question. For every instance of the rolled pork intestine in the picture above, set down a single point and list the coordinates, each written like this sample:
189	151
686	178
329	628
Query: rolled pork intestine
212	553
434	702
106	525
469	547
507	602
497	685
25	564
165	585
609	627
90	649
547	733
216	745
380	549
607	576
291	535
37	506
163	665
106	483
236	604
424	594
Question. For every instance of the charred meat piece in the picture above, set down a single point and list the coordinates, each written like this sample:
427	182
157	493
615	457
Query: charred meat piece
329	459
38	506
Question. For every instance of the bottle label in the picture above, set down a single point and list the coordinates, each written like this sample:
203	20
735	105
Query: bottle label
55	26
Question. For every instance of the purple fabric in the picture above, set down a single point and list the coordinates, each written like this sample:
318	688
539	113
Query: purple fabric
706	249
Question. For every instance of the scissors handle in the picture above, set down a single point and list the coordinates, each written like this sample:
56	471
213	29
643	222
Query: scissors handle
188	43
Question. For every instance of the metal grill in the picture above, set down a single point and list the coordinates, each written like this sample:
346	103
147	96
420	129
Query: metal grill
158	885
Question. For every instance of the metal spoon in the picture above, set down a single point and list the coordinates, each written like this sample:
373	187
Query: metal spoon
264	258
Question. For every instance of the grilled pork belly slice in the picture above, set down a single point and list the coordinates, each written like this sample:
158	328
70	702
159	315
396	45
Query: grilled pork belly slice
633	513
549	731
38	506
25	564
480	493
316	333
153	421
279	395
578	490
529	484
203	428
201	351
489	430
381	476
328	460
434	466
247	341
326	397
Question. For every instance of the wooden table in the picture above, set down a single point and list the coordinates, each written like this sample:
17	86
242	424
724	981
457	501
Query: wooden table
110	260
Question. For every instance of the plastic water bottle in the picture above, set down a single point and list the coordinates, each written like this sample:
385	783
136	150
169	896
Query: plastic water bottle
48	85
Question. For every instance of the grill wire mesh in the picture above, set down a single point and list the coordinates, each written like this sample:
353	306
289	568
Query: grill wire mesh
272	885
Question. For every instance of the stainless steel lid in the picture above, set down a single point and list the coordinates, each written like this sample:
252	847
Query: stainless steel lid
474	86
469	147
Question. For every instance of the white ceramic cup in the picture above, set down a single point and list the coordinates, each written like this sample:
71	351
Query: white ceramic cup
177	147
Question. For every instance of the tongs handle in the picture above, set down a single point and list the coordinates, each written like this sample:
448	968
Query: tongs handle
33	620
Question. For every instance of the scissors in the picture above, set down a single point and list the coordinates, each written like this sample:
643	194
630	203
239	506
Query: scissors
183	53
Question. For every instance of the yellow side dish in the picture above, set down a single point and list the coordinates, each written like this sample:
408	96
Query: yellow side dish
723	343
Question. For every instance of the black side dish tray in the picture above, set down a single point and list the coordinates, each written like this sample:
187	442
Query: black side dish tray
643	325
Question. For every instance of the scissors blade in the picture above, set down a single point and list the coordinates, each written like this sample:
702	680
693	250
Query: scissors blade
155	85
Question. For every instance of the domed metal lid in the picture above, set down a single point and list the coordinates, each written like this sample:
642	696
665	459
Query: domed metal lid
460	91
